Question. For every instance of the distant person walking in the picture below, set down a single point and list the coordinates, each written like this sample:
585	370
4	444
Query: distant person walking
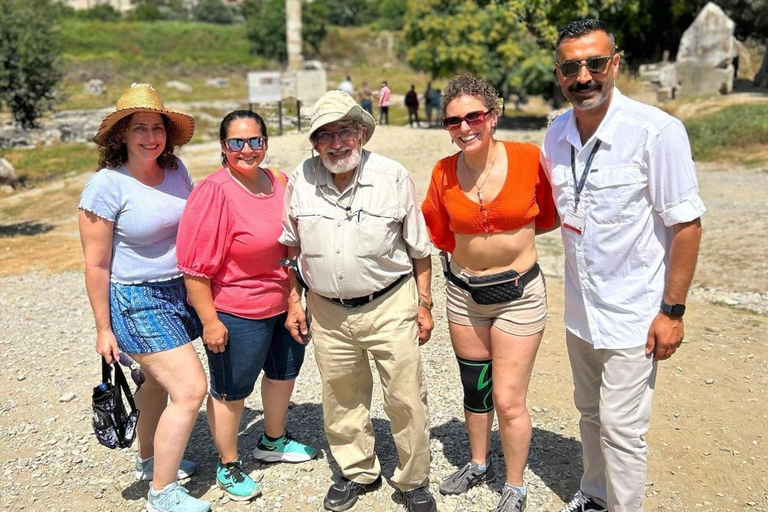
384	98
347	87
365	96
430	103
412	102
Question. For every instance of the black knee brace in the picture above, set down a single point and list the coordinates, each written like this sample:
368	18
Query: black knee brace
477	380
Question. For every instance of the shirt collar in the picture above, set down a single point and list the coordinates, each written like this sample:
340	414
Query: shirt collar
607	129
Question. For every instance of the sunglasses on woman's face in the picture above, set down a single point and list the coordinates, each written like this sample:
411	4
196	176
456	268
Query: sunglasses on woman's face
472	119
236	145
571	68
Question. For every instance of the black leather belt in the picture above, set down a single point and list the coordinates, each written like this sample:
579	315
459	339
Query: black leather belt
365	299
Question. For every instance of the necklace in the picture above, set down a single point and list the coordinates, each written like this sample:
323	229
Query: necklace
483	175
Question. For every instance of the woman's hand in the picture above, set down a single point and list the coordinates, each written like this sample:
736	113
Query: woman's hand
106	346
215	336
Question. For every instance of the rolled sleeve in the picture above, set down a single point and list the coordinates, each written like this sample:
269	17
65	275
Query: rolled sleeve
415	231
672	182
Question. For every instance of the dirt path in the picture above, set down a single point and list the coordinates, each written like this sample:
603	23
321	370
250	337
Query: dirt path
708	445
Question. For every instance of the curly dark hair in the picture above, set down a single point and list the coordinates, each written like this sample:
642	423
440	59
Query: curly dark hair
468	85
115	153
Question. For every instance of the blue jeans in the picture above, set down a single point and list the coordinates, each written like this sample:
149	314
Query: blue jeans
252	346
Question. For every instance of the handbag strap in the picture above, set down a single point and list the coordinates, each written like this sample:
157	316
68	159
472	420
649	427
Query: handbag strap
120	384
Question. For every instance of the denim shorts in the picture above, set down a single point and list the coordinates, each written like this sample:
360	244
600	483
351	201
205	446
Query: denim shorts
152	317
252	346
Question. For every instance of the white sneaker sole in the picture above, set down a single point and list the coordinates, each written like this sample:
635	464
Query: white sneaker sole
141	476
235	497
265	456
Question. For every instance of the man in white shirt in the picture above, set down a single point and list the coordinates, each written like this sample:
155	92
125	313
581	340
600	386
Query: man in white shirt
346	86
352	220
625	187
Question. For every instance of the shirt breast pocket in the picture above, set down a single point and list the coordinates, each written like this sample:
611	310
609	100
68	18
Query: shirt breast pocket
375	232
315	231
615	193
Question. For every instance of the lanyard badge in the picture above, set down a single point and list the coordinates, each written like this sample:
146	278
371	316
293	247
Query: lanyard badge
574	219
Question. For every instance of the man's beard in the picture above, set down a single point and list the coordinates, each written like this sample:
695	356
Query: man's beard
347	164
603	92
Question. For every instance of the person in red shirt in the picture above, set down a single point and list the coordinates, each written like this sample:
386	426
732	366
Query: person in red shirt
484	206
227	249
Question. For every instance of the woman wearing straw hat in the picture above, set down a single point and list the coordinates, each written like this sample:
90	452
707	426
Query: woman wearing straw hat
228	251
129	214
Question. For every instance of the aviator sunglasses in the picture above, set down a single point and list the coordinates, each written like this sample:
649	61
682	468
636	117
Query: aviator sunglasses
472	119
571	68
236	145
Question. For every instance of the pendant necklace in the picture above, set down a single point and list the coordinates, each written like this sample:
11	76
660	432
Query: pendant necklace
480	183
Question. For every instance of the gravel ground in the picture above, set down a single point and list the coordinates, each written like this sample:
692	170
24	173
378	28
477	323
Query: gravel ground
707	441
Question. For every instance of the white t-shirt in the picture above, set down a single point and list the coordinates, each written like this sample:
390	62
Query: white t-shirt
146	220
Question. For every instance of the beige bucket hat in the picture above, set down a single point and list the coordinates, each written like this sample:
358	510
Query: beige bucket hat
143	98
336	106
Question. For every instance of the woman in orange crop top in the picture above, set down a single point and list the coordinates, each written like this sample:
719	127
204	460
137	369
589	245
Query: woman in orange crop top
484	206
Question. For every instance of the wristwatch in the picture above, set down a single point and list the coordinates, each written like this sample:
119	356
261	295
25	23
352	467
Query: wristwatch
426	304
673	310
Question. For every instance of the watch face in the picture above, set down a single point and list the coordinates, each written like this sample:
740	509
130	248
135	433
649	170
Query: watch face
677	310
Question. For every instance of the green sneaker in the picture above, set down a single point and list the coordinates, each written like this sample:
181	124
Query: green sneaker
235	482
284	449
145	468
174	498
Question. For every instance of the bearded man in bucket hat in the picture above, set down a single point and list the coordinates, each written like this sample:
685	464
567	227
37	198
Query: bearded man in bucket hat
353	225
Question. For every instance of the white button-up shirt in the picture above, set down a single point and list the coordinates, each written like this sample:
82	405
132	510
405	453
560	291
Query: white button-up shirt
641	183
356	241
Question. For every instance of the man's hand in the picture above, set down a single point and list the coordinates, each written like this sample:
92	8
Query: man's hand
426	324
215	336
664	337
296	322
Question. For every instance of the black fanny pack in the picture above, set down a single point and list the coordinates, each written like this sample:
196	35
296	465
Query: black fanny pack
495	288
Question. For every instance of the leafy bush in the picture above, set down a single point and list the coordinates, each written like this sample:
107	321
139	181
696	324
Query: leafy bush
213	11
29	64
100	12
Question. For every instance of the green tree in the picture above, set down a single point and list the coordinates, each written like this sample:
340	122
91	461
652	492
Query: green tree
29	66
265	27
100	12
158	10
392	13
495	40
347	13
213	11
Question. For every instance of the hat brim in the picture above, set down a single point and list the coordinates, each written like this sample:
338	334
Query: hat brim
182	126
355	113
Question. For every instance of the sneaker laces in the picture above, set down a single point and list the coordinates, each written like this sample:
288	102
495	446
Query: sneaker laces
507	496
419	495
460	474
235	472
579	500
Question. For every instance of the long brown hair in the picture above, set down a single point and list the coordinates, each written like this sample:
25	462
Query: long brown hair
115	153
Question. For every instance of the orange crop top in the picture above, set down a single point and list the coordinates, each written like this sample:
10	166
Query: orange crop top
525	196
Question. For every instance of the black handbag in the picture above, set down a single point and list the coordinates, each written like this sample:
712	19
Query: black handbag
113	425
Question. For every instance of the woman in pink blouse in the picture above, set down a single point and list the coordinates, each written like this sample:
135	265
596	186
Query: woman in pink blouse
228	251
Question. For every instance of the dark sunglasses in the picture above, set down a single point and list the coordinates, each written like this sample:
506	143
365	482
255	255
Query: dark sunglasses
571	68
255	143
472	119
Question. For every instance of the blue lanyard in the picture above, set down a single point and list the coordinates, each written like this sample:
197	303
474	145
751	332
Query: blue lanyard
578	185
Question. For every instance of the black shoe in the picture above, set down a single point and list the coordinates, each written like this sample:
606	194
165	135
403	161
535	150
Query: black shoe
420	500
583	503
343	494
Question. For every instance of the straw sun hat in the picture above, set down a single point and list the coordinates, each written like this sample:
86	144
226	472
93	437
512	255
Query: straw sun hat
336	106
143	98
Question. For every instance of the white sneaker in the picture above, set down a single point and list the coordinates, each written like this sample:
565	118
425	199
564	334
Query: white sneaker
145	469
175	498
